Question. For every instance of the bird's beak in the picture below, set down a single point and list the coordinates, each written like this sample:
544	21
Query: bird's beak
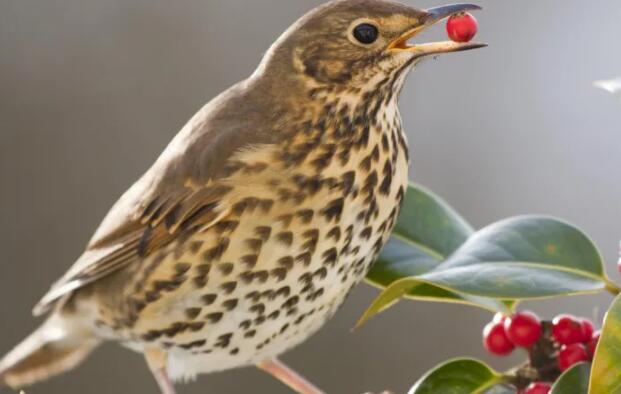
430	18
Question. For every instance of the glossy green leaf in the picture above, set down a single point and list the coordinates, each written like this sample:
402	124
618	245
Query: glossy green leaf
515	281
530	239
460	376
573	381
428	222
606	370
427	231
525	257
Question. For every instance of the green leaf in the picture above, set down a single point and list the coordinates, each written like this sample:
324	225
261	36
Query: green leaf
429	223
573	381
606	373
427	231
531	239
525	257
459	376
515	281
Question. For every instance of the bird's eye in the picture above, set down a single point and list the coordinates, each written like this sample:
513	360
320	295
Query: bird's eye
366	33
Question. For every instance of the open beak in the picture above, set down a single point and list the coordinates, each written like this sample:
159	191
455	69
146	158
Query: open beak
433	16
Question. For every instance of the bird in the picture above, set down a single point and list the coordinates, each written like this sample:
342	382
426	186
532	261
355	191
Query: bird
265	210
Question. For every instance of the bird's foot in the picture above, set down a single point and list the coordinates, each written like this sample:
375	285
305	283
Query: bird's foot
289	377
156	359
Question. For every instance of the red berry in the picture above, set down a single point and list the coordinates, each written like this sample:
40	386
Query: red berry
592	344
523	328
571	354
566	330
587	330
462	27
495	339
538	388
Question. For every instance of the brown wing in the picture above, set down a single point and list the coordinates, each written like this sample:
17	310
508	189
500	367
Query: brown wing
180	193
159	223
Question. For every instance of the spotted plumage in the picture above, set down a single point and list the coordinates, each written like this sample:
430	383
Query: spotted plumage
259	218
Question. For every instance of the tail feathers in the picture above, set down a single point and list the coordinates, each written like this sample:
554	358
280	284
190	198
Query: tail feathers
57	346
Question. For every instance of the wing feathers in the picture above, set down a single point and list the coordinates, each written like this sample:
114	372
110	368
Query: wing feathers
160	224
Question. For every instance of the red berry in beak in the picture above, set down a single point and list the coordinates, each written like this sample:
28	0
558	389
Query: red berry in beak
462	27
495	339
566	330
571	354
523	328
538	388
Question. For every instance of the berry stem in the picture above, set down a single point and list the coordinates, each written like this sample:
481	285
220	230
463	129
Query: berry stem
542	364
511	377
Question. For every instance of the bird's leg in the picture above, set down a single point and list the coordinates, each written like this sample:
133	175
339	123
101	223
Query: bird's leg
156	359
289	377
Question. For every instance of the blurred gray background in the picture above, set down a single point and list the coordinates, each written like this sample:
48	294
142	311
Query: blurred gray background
91	91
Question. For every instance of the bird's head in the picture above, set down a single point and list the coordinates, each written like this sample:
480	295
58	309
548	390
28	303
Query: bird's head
356	42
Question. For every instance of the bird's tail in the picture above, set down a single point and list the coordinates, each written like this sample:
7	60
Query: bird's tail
59	345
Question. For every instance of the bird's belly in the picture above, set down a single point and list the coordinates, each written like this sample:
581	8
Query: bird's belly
262	280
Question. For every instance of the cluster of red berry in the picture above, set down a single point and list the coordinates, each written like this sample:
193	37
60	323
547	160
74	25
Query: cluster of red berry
566	340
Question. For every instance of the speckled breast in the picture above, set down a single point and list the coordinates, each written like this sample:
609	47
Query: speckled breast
307	220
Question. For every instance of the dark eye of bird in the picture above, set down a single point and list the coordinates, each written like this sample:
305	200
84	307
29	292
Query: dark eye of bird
366	33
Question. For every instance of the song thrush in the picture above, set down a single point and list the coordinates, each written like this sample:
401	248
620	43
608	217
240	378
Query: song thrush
255	223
